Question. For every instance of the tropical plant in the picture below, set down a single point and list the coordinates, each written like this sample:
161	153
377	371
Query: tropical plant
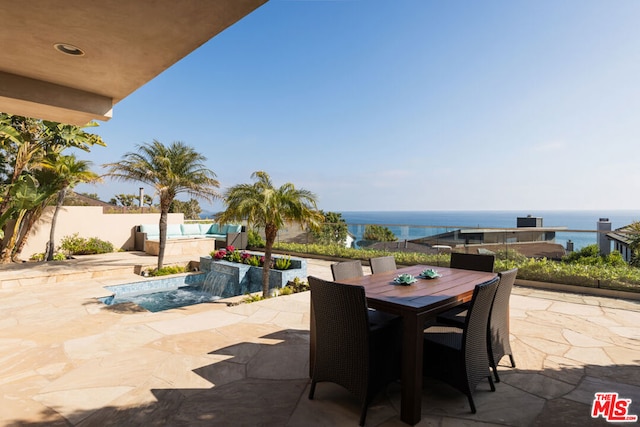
171	170
263	205
25	197
379	233
24	144
68	172
333	230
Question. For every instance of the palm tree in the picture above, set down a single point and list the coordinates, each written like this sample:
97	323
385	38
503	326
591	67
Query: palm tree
171	170
24	143
263	205
25	195
68	172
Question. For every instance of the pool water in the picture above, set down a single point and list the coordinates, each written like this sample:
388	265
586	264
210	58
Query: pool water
165	300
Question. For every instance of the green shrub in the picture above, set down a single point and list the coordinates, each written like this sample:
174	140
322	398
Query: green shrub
298	285
510	254
615	259
590	255
285	291
379	233
254	240
58	256
168	269
253	298
75	245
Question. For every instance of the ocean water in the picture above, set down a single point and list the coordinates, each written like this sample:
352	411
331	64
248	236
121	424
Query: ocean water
407	225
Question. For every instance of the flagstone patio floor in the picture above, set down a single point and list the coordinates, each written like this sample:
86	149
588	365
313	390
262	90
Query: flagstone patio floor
68	360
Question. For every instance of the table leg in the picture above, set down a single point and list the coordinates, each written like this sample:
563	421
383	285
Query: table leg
412	347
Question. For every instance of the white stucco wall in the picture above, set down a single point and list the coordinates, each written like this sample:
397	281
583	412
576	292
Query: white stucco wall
89	221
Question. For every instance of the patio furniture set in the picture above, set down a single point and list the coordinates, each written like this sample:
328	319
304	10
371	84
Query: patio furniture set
369	330
190	239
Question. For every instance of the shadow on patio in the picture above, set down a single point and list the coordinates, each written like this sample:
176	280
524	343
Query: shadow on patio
265	383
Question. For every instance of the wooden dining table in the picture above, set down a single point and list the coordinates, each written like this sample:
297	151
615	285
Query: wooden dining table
416	303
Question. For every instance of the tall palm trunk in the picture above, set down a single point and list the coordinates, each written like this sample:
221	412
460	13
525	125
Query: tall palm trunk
270	233
31	218
164	214
7	250
51	244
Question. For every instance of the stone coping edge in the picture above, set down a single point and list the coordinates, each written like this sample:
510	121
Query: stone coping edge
611	293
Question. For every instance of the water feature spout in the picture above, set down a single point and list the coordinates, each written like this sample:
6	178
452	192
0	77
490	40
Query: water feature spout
220	285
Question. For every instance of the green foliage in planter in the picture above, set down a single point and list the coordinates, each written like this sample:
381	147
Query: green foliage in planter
234	256
283	263
253	261
76	245
619	277
378	233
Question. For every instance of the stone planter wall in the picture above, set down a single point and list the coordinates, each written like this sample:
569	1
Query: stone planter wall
227	279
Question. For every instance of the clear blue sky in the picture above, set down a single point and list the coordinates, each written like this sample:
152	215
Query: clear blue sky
408	104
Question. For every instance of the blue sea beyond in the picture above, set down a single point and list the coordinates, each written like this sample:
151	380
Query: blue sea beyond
408	225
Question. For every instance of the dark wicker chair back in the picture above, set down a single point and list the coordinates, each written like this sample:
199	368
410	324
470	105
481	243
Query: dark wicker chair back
460	358
382	264
472	261
346	270
498	328
474	341
346	349
499	322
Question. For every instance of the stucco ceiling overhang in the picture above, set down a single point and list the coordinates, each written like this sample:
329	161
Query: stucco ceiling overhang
125	44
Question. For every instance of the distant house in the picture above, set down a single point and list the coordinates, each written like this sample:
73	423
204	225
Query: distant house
529	229
622	241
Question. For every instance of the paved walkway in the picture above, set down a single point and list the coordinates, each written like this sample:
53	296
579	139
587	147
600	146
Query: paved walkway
66	359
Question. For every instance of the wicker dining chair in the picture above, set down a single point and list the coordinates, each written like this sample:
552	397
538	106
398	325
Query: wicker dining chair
475	262
347	348
346	270
460	357
498	332
382	263
464	261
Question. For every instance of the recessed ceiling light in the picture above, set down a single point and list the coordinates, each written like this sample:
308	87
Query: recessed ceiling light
68	49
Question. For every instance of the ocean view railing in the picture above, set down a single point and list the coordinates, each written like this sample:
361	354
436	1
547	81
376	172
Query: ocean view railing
569	239
537	252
